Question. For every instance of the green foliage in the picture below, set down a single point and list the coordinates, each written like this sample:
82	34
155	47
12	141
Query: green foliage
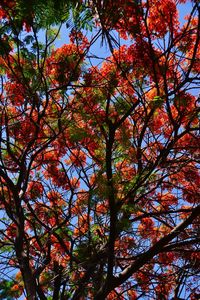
158	101
46	12
82	16
5	47
6	292
121	105
83	251
77	134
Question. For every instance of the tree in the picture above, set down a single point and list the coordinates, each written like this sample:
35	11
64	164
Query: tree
99	157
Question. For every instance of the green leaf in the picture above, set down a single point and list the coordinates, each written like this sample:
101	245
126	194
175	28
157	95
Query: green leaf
77	134
157	101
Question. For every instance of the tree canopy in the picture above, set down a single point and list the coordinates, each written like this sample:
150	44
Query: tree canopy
99	154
